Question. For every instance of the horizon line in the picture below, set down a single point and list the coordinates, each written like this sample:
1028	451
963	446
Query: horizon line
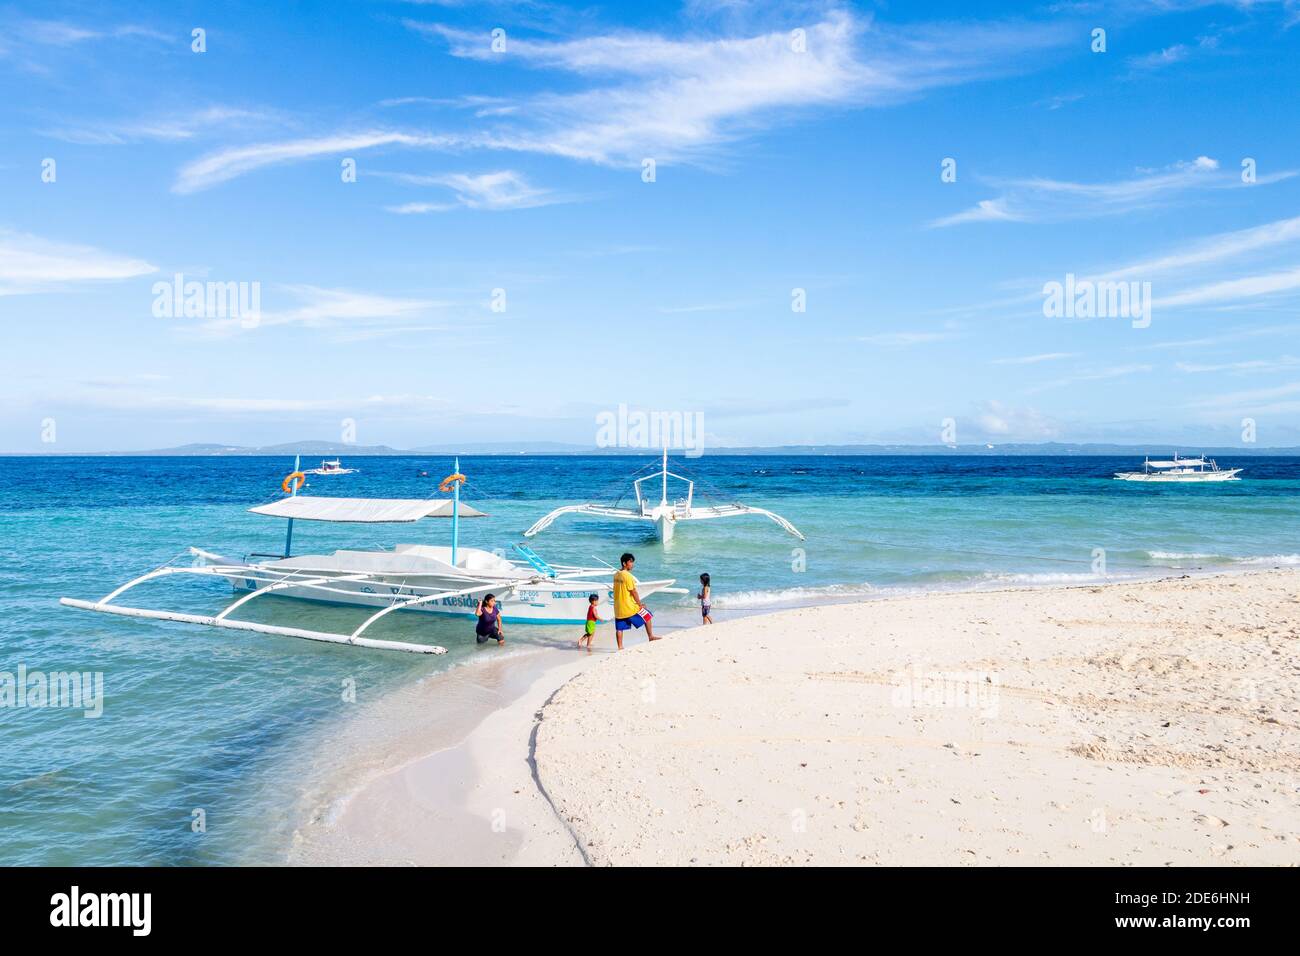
213	450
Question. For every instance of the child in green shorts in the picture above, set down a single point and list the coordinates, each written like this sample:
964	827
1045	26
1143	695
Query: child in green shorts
592	617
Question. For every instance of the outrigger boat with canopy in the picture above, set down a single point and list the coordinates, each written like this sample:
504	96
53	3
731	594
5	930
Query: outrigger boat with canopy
664	515
414	577
1180	469
332	466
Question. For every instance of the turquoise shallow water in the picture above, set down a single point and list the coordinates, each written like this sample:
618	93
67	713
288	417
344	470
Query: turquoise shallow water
195	719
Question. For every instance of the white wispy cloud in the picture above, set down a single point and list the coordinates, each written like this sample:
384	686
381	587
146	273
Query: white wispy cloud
479	104
173	126
381	406
1199	257
986	210
1280	363
1040	199
505	189
143	400
1237	335
230	162
1060	100
1213	249
750	407
350	313
679	99
904	339
1170	272
37	46
647	95
705	307
1161	58
998	420
1260	400
614	249
420	208
320	307
1170	55
67	33
124	381
31	264
1035	359
1091	375
1233	290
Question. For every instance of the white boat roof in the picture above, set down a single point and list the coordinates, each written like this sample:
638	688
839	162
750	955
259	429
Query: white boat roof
407	559
363	510
1176	464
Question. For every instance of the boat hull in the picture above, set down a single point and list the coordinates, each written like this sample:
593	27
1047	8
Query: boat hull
532	605
1200	478
536	602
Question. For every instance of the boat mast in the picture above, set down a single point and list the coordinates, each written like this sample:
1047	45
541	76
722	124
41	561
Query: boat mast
455	512
663	495
293	493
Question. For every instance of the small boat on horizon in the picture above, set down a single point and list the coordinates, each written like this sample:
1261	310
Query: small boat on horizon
332	467
1180	469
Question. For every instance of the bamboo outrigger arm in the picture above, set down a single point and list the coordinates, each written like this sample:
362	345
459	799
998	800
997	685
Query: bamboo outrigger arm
664	514
698	513
598	510
105	606
723	511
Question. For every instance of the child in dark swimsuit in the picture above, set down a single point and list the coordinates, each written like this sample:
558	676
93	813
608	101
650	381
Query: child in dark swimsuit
489	621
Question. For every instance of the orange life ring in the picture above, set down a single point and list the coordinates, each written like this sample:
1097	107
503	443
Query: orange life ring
285	485
447	482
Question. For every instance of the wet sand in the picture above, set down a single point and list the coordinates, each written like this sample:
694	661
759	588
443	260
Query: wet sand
441	772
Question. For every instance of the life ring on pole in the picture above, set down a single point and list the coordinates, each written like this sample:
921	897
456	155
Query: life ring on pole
447	482
288	487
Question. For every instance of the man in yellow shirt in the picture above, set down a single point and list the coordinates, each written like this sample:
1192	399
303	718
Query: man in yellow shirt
628	610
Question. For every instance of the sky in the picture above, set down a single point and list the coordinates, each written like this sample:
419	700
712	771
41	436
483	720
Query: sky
800	222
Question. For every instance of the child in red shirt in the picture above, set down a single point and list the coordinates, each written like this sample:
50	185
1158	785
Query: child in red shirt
592	617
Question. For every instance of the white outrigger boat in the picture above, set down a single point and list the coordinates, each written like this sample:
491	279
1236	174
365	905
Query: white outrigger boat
664	515
412	577
334	467
1180	469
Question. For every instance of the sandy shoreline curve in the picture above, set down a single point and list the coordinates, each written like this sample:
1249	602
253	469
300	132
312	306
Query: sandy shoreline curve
447	777
1153	722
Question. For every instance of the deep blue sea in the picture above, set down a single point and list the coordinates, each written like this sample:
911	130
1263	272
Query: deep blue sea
202	720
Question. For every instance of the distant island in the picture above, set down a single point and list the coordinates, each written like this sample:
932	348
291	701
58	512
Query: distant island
311	449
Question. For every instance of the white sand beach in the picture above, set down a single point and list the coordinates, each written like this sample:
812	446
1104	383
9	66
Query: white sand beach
1151	723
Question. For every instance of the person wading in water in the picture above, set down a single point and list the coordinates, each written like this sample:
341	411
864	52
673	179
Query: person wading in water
489	621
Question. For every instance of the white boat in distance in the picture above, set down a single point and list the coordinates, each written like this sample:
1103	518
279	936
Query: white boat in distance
415	577
1180	469
664	515
334	467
